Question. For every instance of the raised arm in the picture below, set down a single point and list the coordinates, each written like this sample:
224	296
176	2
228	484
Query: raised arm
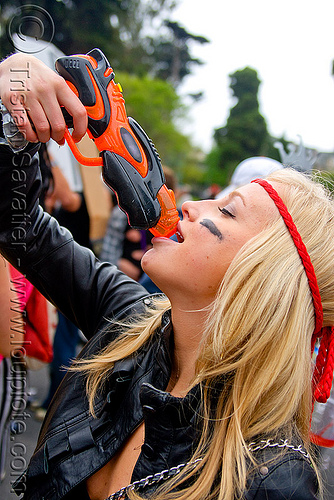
85	290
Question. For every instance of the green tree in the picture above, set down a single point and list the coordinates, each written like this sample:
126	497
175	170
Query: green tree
156	106
172	60
125	30
80	25
245	133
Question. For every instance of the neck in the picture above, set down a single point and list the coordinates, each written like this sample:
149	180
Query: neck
188	327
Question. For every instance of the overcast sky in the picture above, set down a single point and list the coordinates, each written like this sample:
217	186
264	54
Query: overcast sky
290	43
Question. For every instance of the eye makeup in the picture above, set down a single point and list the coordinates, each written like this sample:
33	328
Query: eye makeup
211	226
226	212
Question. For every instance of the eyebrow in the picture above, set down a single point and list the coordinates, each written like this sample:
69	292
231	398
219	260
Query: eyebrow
233	194
211	226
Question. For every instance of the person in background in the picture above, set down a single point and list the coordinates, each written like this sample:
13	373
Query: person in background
11	320
12	366
256	167
28	318
65	201
171	183
124	246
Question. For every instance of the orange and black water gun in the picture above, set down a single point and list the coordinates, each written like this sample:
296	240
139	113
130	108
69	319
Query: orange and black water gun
130	163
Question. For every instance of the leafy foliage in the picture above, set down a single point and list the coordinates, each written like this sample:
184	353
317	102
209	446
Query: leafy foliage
81	25
137	37
155	105
171	58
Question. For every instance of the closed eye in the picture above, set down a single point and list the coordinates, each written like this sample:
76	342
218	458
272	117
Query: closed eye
224	211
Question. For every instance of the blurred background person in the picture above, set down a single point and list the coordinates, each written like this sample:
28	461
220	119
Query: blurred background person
66	202
124	246
11	339
256	167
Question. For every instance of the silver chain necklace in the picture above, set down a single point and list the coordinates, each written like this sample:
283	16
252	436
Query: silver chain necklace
152	479
173	471
283	443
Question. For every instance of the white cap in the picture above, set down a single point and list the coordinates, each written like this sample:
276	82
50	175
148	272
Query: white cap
250	169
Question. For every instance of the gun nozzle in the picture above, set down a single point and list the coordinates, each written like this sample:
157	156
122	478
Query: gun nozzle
169	218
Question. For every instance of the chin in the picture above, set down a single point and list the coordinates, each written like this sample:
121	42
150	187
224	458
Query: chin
153	270
148	264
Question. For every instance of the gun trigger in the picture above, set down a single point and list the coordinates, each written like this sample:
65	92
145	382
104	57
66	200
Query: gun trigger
83	160
67	117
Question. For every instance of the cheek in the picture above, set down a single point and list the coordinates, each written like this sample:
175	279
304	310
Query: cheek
207	268
199	267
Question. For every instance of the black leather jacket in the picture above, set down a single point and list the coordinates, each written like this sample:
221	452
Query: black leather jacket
72	444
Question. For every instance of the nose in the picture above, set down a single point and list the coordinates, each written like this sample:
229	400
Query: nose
192	209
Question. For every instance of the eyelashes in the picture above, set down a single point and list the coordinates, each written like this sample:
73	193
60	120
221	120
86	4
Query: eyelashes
224	211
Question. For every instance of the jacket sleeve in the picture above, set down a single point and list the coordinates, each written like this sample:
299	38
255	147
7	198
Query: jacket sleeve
84	289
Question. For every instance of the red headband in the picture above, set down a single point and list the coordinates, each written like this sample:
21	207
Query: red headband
323	371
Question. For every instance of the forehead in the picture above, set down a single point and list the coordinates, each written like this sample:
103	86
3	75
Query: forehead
257	201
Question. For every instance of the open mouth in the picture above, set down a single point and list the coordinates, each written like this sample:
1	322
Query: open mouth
179	235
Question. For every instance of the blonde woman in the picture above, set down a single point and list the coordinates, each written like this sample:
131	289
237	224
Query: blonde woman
204	392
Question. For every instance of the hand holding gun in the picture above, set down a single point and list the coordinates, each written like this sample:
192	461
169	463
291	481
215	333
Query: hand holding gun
131	166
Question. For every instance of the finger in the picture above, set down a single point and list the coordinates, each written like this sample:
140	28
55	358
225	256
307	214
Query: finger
40	121
57	126
15	104
61	142
77	110
25	126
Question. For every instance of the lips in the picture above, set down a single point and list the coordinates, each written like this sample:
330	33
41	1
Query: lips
179	234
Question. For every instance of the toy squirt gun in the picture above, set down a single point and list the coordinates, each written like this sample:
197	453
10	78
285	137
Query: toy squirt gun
131	166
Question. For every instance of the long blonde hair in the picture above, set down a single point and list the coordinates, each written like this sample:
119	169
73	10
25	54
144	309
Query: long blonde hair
256	346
